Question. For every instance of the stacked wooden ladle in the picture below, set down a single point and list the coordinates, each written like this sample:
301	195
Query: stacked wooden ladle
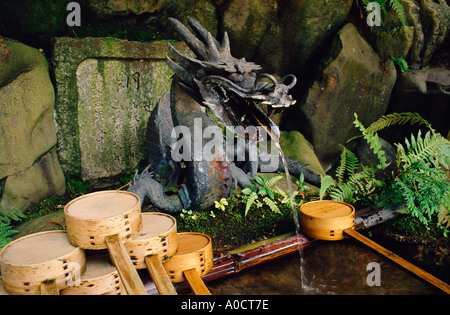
74	262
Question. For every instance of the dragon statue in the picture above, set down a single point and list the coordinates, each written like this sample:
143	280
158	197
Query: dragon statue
213	87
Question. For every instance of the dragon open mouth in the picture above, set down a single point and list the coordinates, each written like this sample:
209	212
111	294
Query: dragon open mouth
227	85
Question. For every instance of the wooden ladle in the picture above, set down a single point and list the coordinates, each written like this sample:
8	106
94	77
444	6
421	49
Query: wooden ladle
194	259
156	243
334	220
41	264
108	219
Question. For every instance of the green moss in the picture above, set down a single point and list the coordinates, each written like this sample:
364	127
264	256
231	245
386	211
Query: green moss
411	227
231	228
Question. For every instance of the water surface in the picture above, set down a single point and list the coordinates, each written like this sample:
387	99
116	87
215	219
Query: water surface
330	268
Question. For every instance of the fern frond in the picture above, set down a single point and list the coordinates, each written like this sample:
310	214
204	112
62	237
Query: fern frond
349	163
273	180
343	192
397	119
7	216
250	201
272	205
418	149
373	141
325	183
398	8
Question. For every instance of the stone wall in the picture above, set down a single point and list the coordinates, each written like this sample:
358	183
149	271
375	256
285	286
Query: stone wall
106	90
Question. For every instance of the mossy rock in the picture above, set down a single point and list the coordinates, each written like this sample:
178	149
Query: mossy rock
39	224
296	147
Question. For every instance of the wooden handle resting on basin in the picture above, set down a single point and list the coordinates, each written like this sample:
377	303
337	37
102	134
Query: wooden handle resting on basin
397	259
195	282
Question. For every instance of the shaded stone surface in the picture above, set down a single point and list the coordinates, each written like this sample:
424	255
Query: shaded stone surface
40	181
29	168
282	36
106	89
351	79
426	92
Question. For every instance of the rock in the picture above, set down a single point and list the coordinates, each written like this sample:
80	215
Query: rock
27	97
351	79
435	16
426	92
203	11
282	36
114	8
295	146
427	28
38	182
29	169
34	20
394	46
39	224
367	157
107	89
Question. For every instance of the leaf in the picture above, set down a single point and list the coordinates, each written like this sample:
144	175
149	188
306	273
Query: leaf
251	199
247	191
259	180
270	193
325	183
272	205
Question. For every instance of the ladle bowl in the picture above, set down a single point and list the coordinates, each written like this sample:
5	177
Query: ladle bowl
108	219
41	263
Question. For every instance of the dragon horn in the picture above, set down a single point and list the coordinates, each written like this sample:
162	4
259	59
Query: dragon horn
180	72
136	176
211	48
290	85
188	63
193	42
225	47
201	31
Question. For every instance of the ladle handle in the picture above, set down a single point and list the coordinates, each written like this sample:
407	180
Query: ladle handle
397	259
121	259
195	282
159	275
49	287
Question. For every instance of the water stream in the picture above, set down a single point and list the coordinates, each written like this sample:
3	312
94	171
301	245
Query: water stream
303	282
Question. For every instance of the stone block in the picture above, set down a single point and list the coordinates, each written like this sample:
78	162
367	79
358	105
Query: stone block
106	90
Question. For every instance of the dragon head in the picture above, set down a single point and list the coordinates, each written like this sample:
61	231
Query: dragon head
228	86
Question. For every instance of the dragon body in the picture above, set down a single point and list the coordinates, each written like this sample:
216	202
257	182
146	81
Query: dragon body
181	177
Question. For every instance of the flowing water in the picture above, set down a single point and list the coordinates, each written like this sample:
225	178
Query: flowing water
303	282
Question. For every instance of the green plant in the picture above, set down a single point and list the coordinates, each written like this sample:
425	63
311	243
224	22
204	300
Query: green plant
188	213
294	199
221	204
374	142
394	5
419	179
401	63
351	185
5	224
262	194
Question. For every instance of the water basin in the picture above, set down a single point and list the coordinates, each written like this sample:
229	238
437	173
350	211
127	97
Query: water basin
331	268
